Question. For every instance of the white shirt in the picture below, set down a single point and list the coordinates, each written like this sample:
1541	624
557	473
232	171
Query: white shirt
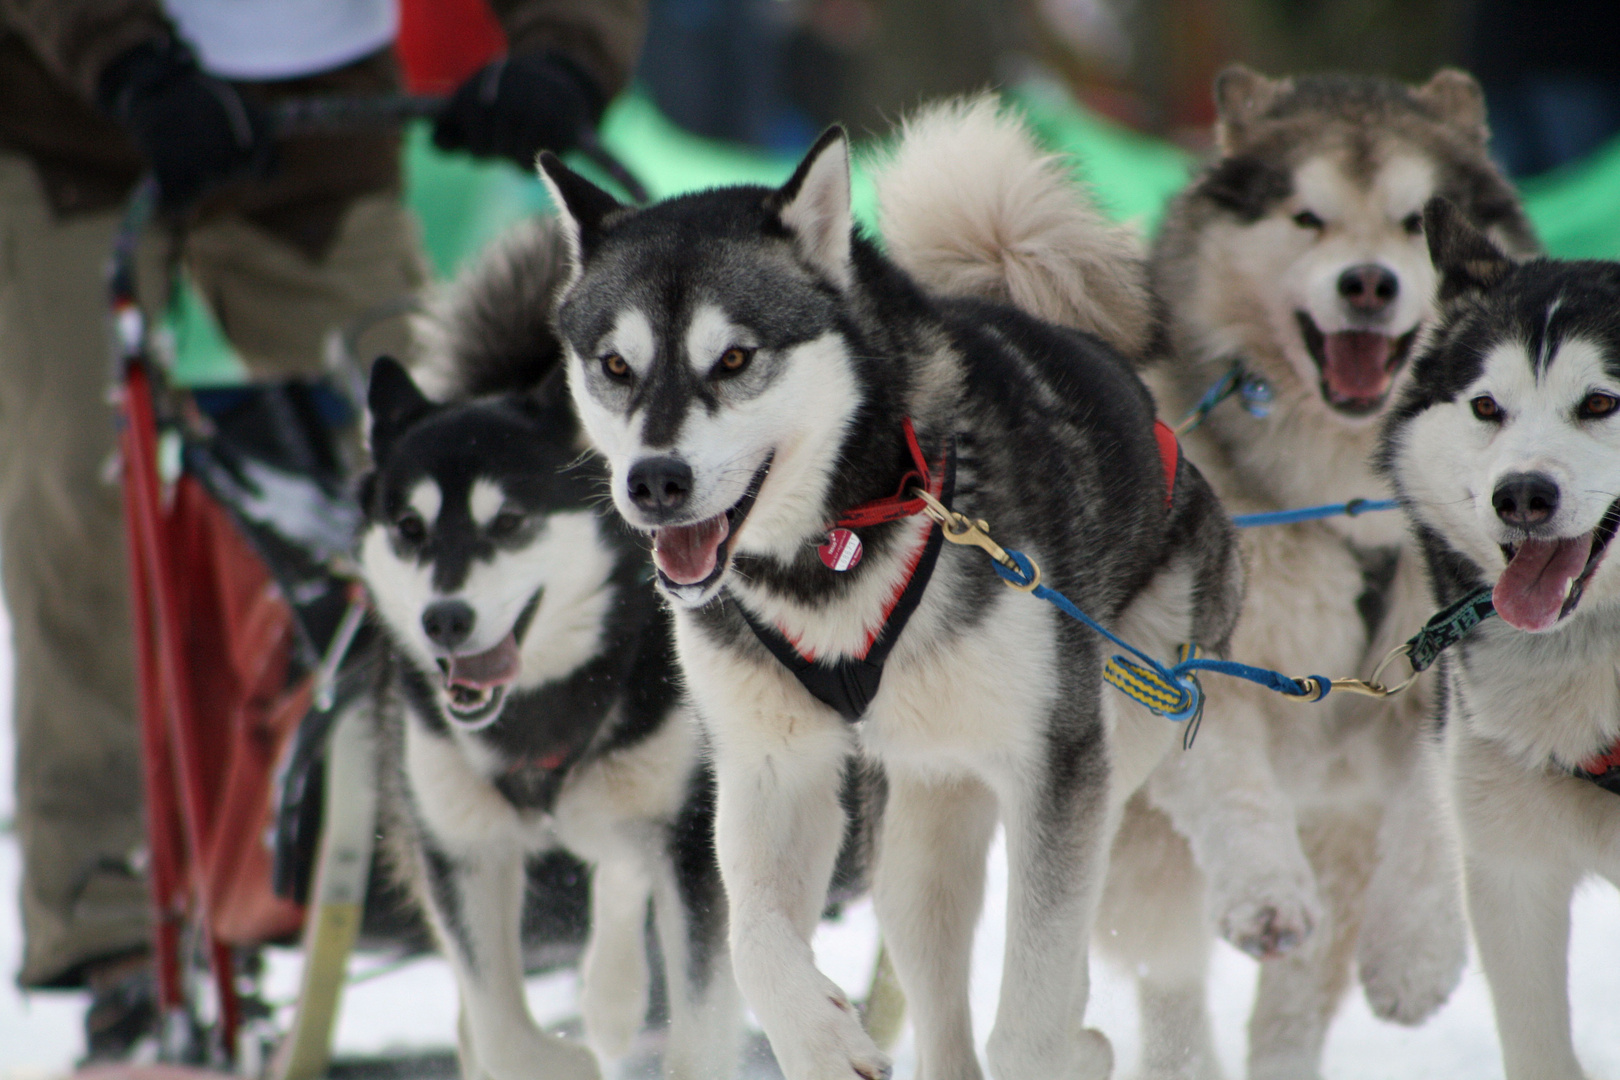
260	40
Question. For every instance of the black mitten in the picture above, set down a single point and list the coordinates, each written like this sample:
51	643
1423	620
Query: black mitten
194	130
517	106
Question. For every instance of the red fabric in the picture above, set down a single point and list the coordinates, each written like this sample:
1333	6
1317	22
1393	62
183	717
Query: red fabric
896	506
441	42
238	649
1597	766
1170	454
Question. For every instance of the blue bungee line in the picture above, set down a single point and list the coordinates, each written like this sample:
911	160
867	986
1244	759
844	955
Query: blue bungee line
1172	692
1312	513
1256	395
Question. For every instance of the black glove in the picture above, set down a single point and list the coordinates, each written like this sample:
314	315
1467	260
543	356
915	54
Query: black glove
194	130
518	106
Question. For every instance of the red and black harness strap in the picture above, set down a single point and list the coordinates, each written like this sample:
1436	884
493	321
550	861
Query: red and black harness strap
849	683
1603	770
1169	457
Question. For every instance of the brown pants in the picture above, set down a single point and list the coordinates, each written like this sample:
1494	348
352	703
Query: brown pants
62	557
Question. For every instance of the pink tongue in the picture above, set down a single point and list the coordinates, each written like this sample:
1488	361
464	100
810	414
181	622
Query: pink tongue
493	668
1530	593
1356	364
687	553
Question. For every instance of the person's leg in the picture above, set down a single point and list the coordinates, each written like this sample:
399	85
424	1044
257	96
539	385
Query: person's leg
278	306
79	814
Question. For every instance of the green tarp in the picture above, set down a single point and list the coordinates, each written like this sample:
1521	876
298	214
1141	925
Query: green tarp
462	204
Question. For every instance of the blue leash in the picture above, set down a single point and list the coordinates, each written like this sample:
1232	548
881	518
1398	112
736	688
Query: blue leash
1172	692
1256	396
1255	393
1313	513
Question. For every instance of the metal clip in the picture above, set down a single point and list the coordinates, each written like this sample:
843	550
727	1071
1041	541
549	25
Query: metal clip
961	529
1372	687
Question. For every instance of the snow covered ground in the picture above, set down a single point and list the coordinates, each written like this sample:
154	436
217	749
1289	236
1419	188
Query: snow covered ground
414	1007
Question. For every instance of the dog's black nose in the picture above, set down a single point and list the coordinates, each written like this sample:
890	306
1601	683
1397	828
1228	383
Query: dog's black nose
448	623
660	484
1369	288
1525	499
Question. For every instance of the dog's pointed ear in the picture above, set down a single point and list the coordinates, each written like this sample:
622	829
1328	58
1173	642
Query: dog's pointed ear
1242	94
1464	257
1459	102
395	403
814	205
581	205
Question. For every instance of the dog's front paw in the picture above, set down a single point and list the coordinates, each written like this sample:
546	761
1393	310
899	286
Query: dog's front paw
1407	977
1087	1056
834	1046
612	1021
613	999
1269	915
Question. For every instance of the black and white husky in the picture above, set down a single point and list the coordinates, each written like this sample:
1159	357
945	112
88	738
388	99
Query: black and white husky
754	371
535	695
1505	451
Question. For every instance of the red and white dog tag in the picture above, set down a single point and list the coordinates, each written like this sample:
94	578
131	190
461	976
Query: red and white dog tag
841	550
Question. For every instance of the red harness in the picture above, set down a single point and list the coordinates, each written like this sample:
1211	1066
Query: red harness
892	508
848	683
1169	455
1603	770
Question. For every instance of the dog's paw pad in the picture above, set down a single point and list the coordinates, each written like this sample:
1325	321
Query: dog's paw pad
1273	925
1408	990
1265	932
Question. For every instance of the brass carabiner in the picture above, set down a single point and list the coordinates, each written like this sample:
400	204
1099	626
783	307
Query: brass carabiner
961	529
1372	687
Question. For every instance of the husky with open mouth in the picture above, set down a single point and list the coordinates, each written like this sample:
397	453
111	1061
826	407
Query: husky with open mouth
772	394
1293	270
535	701
1505	452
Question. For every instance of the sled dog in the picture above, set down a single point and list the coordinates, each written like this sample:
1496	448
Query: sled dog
1505	452
770	393
534	695
1294	264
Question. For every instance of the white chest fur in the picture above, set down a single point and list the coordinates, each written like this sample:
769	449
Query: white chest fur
1542	696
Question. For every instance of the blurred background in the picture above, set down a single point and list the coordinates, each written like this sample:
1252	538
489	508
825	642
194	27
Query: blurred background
734	90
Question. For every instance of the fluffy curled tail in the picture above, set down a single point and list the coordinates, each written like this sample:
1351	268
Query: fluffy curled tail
970	205
489	331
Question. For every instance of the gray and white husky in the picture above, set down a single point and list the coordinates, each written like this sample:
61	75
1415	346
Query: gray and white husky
535	698
1297	257
1505	451
754	370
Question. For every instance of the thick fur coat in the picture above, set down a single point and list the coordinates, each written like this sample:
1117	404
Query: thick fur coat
1298	254
746	362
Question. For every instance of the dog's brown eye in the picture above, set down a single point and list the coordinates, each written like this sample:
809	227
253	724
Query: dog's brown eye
615	367
1486	408
506	523
1599	404
411	529
1412	223
1307	220
734	359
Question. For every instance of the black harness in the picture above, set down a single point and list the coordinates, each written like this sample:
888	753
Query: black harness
1453	624
849	683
